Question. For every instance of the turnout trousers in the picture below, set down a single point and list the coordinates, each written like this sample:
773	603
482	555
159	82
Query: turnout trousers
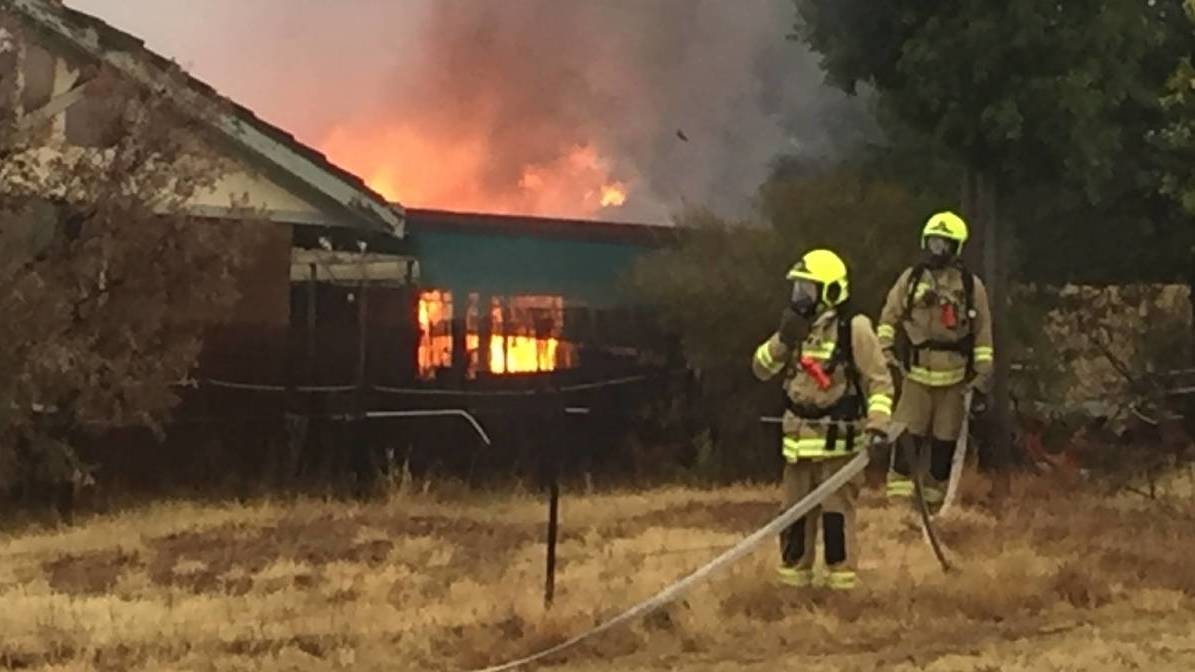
933	417
835	518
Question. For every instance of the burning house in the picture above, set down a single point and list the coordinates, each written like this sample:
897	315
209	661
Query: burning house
357	304
507	294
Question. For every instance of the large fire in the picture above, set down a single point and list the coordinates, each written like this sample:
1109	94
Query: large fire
425	169
513	347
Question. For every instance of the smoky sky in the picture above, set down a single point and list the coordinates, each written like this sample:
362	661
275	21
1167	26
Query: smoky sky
533	75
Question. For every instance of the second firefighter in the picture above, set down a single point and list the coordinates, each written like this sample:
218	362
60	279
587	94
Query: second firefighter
936	328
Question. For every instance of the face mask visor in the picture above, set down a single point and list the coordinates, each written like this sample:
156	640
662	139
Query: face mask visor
937	246
940	251
806	296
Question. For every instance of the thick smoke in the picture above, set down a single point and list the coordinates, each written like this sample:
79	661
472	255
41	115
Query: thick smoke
687	102
637	76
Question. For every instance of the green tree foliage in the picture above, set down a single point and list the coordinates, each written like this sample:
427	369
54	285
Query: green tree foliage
1023	89
1059	102
1055	100
1177	142
1176	138
1127	230
875	225
722	289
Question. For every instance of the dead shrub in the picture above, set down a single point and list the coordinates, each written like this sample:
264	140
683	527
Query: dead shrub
998	590
722	516
965	534
484	644
1081	584
852	608
89	573
749	597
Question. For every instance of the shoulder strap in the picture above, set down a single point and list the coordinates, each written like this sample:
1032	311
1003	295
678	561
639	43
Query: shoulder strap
968	310
844	347
968	289
915	278
911	291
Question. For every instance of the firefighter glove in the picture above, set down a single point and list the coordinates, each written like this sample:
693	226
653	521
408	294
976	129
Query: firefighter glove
877	445
791	328
979	403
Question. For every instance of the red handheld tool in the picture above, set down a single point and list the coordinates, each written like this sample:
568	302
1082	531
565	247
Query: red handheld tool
815	371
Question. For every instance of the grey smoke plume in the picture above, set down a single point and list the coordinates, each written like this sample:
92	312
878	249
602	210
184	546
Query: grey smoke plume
688	100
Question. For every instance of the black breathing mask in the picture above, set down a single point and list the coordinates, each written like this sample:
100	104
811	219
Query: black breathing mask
805	298
939	251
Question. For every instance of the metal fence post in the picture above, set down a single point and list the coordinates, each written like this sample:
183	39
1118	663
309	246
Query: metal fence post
550	457
553	526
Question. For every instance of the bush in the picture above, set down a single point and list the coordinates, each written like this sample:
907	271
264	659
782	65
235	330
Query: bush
721	290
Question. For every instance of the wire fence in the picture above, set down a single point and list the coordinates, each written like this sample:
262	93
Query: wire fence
430	392
229	433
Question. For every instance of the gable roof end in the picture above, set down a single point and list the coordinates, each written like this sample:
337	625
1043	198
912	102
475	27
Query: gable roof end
260	140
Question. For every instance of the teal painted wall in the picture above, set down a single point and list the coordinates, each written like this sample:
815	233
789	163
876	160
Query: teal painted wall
580	270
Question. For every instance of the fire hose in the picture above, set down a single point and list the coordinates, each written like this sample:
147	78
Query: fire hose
670	593
931	535
923	509
960	457
956	469
895	434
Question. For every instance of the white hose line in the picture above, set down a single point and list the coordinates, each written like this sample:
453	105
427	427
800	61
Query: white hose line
960	457
815	498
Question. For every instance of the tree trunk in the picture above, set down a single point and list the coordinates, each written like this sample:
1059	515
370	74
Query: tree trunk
973	252
1189	408
996	277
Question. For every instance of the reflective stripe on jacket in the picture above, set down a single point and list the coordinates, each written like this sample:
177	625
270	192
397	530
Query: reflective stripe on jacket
926	322
806	438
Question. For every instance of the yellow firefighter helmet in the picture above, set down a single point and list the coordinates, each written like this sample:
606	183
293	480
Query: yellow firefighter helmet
827	271
945	225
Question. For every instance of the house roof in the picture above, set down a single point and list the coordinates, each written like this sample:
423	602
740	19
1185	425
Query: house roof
272	149
627	233
587	262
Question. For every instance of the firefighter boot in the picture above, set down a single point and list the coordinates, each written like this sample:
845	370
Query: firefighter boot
793	570
839	573
934	486
900	471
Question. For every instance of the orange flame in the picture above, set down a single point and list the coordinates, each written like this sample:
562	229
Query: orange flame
423	169
509	353
614	195
522	354
435	343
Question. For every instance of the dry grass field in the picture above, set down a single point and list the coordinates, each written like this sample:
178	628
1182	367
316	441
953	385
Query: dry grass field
1062	579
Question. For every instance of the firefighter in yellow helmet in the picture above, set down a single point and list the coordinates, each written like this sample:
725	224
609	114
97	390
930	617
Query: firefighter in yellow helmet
936	328
839	400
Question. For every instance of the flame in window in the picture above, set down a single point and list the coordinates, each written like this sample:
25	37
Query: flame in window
525	334
435	329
